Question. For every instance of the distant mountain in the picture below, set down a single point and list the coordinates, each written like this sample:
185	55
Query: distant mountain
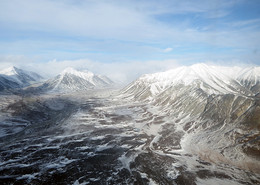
74	80
13	77
22	77
217	109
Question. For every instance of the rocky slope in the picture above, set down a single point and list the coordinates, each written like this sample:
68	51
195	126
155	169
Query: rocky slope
216	112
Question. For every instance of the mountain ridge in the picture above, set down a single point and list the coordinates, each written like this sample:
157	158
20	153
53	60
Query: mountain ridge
216	113
70	80
13	78
211	79
23	77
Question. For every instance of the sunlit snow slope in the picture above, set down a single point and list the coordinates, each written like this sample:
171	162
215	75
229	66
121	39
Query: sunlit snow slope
208	79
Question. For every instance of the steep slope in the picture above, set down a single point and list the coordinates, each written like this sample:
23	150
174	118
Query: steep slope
6	83
210	80
21	77
216	113
250	78
73	80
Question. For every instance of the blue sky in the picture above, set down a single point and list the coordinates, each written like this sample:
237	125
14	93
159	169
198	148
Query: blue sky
124	32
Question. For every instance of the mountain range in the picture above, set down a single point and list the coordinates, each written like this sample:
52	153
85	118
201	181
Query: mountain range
215	109
14	79
208	79
196	124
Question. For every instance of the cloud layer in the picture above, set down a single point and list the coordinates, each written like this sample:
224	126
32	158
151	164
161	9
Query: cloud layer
121	72
119	33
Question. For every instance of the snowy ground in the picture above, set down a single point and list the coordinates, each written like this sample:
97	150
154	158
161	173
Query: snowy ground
100	138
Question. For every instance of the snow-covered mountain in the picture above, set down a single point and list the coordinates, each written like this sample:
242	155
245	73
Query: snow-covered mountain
13	77
216	109
191	125
22	77
250	78
74	80
207	79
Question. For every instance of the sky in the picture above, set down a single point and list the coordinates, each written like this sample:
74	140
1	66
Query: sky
126	38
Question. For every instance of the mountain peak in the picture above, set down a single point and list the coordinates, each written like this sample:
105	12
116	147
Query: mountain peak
70	70
21	77
200	65
9	71
71	79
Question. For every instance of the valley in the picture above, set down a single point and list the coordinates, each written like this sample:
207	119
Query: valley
195	124
127	92
101	137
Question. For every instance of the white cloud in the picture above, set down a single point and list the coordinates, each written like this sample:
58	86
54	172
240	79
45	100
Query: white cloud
118	71
167	50
126	20
85	18
119	30
242	23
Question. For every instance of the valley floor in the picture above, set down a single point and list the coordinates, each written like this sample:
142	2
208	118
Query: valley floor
99	137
